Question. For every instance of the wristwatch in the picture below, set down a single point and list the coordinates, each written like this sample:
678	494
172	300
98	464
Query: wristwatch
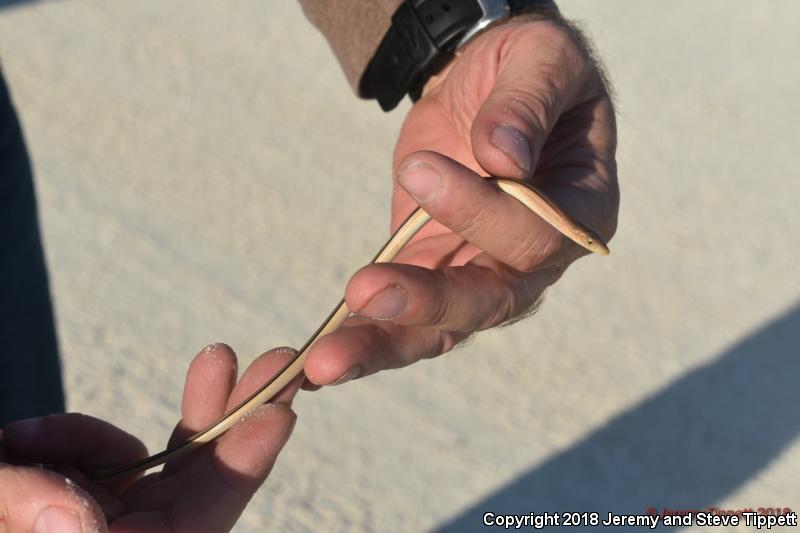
422	38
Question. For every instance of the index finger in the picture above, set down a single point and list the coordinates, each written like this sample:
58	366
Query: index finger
498	224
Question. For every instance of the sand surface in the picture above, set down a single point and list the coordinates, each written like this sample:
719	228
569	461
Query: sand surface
205	175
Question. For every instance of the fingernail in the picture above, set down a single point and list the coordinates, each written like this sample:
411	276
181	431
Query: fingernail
514	144
388	303
421	181
25	429
57	519
350	374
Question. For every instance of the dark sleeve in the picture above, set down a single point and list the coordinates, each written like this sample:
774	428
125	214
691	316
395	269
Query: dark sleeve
353	28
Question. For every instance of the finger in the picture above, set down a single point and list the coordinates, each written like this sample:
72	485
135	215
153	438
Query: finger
309	386
155	491
109	503
479	212
74	438
161	492
362	347
543	72
213	496
217	484
33	499
246	454
466	298
260	372
209	381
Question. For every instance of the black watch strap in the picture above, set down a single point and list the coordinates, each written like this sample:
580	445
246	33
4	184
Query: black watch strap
421	40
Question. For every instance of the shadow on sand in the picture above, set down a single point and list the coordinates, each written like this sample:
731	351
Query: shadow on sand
686	447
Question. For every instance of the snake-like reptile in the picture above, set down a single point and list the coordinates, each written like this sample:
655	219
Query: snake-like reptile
529	196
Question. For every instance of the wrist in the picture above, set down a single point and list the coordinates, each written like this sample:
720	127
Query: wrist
423	38
531	16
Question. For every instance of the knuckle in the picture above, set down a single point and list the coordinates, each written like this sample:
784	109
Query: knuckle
377	340
551	32
440	311
563	63
446	341
534	107
564	43
504	311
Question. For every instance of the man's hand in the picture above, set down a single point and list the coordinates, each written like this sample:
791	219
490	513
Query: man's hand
203	491
524	100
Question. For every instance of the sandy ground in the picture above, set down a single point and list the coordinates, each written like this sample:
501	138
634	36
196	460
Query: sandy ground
193	159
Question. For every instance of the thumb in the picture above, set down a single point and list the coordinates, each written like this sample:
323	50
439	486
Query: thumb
542	70
38	500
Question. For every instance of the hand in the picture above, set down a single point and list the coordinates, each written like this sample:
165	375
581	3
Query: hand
204	491
524	100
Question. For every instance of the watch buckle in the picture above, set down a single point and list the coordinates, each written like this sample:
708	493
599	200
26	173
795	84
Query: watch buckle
493	11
